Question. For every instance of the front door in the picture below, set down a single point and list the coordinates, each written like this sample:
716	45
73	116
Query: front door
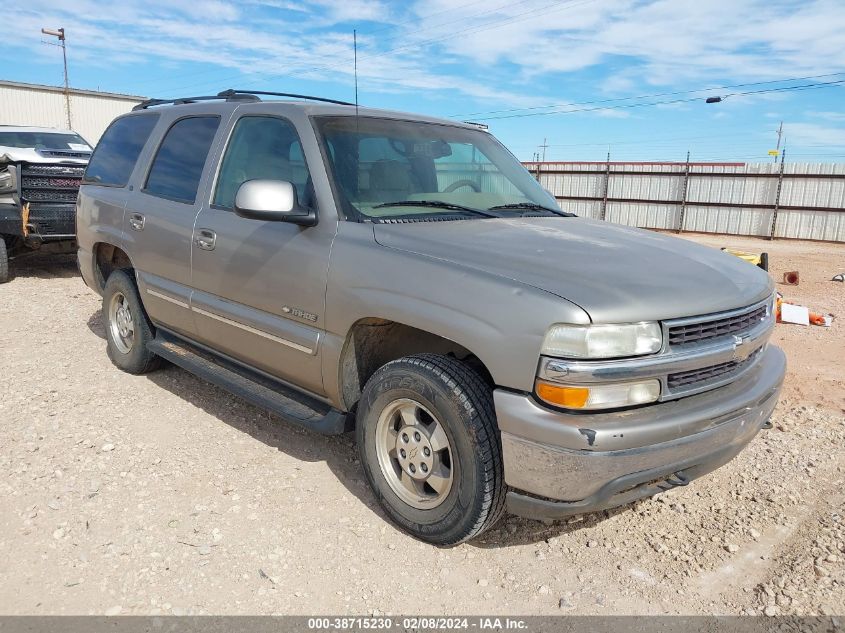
260	287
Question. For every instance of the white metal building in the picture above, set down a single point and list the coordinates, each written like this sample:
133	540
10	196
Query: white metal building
90	111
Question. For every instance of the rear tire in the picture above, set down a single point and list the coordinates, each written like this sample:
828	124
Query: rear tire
128	329
430	448
4	262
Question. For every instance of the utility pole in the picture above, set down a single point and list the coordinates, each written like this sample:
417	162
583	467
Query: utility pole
780	134
543	147
60	33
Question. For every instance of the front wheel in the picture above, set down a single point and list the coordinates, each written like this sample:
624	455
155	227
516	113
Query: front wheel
430	447
128	329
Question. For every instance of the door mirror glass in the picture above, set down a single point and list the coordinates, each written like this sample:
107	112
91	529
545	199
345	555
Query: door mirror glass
271	200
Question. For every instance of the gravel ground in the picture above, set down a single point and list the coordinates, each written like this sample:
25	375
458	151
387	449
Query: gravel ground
163	494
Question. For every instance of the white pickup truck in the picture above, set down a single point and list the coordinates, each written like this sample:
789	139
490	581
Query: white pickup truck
40	172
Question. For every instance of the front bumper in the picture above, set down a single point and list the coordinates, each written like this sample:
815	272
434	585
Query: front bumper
47	222
560	464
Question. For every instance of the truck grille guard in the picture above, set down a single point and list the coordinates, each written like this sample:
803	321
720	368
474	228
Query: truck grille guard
47	194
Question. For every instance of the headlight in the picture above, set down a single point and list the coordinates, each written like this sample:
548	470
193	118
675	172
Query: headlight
6	183
603	341
610	396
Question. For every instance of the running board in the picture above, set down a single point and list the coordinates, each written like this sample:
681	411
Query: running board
256	389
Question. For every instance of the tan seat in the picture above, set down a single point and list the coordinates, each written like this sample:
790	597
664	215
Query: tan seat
390	181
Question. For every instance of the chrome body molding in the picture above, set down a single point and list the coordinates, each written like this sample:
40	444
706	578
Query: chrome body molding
233	323
164	297
247	328
744	349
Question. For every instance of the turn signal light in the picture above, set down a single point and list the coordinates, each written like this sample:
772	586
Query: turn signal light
567	397
599	396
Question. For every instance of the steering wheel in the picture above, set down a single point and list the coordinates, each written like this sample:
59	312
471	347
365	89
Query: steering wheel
463	183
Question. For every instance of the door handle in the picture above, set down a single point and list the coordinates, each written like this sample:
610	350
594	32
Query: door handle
206	239
136	221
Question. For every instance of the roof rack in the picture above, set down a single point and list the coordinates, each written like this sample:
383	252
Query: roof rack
480	126
149	103
233	95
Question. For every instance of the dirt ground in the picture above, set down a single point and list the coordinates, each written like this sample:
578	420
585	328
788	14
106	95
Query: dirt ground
165	495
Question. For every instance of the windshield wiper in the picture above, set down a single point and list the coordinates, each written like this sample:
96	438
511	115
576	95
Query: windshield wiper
532	206
439	204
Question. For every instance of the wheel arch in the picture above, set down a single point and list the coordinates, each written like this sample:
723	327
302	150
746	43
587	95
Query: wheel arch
371	342
108	258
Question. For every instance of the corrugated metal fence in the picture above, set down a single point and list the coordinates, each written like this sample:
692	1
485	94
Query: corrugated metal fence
793	200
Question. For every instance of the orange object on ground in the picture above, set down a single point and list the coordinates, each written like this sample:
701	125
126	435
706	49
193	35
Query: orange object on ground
816	318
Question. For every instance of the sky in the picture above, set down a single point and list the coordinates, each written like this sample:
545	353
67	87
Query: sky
581	77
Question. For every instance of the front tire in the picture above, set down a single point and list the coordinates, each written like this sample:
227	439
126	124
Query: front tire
430	448
4	262
128	329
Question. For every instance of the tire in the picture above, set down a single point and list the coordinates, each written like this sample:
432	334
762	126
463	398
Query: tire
764	261
454	493
129	353
4	262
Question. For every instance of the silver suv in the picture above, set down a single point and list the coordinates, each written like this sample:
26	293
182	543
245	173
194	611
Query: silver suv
407	278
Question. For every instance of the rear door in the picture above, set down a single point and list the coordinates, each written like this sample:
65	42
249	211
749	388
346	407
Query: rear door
160	214
102	197
260	287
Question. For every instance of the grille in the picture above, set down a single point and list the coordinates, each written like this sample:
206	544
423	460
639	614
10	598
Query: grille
716	328
708	374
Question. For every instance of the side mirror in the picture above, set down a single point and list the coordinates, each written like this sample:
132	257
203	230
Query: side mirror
272	200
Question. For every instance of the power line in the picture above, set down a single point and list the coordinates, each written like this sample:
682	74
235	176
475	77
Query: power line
647	96
666	102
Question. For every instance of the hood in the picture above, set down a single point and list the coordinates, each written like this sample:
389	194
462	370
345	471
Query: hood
615	273
45	156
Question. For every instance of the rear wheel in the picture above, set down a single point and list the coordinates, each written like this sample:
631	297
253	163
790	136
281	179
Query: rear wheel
128	330
4	262
430	448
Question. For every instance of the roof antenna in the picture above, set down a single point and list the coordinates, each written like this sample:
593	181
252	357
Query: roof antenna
355	53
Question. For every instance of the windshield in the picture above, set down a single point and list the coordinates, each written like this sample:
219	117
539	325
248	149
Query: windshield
378	164
44	140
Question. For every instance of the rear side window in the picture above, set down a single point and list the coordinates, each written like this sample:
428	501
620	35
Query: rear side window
177	167
114	159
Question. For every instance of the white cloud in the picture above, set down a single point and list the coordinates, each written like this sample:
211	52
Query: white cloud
813	134
508	53
661	41
829	116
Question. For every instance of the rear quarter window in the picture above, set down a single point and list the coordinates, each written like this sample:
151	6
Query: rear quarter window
118	150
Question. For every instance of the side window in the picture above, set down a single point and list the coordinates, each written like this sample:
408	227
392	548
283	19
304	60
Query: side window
118	150
177	167
262	147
